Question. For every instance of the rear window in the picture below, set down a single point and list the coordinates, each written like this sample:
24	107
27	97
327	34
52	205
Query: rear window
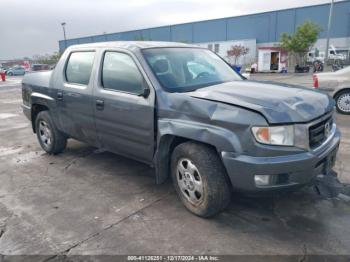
79	66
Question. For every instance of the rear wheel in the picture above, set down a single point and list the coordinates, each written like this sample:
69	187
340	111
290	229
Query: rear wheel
200	179
49	137
343	102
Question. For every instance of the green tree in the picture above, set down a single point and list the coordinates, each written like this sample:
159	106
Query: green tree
299	43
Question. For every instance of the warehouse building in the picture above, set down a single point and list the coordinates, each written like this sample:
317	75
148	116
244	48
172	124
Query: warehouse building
259	32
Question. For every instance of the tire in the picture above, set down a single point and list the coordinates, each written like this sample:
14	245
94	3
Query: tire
49	137
342	100
10	74
208	187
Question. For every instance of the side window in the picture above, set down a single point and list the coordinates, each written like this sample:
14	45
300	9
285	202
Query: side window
79	67
120	73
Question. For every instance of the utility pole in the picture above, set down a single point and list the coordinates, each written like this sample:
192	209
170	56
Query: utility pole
64	34
329	29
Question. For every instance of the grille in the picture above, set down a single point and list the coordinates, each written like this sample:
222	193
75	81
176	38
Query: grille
318	133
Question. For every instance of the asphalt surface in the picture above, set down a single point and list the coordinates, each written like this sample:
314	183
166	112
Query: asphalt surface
86	201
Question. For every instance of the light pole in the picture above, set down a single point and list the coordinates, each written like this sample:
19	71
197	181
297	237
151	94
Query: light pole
64	34
329	29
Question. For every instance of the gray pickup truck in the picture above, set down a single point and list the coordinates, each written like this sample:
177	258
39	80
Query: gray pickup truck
184	111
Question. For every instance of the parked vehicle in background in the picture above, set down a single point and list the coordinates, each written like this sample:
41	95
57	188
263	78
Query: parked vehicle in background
184	111
16	70
39	67
333	55
301	69
337	65
318	66
337	84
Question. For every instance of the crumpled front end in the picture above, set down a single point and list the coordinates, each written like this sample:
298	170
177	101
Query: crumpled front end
249	173
252	166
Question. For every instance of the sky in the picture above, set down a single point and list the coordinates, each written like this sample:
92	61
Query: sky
33	27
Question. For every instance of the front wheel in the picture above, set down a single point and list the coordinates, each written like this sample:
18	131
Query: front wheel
200	179
343	102
49	137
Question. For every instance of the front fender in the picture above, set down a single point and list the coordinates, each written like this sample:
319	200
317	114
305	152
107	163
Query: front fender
222	139
183	130
225	127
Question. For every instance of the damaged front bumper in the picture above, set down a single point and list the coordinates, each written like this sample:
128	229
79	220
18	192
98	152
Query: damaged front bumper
285	172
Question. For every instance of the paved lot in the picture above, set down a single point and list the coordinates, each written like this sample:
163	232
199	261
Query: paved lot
294	79
86	201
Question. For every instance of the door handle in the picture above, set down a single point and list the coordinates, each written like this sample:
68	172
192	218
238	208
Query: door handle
59	95
74	95
100	104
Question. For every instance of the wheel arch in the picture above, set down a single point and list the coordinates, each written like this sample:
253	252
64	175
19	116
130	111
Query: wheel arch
39	102
173	132
340	91
35	110
166	146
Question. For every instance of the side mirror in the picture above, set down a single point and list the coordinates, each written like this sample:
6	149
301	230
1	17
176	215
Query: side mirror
146	92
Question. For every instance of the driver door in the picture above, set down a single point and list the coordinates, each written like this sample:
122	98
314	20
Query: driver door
124	113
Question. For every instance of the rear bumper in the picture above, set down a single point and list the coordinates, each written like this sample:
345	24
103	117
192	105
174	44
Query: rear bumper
289	171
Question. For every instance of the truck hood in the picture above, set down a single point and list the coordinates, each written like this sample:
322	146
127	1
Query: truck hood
278	103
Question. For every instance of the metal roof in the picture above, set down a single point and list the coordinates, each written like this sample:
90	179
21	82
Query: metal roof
132	44
265	27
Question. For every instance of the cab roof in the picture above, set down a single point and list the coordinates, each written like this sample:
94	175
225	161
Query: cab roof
131	45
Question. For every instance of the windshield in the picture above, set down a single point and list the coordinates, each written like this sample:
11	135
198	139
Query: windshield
187	69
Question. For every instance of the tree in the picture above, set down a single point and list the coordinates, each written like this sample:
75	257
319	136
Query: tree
236	52
49	59
299	43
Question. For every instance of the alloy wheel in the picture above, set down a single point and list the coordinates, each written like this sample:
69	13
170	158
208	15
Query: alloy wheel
343	102
190	181
45	133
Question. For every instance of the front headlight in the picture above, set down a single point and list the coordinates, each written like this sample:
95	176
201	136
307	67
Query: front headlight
274	135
